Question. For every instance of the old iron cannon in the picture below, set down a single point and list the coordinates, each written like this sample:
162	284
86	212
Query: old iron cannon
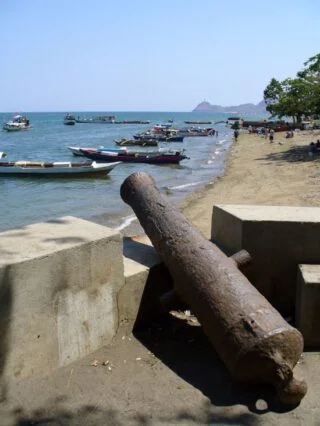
253	340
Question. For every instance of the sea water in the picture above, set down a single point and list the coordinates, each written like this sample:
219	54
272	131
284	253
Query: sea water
27	200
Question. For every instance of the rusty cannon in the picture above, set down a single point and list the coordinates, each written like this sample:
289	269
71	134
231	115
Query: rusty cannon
251	337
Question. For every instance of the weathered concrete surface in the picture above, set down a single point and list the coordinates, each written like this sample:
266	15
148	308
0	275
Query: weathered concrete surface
278	238
165	375
308	304
138	257
59	282
146	279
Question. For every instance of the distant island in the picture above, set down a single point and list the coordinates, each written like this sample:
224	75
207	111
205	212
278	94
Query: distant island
249	108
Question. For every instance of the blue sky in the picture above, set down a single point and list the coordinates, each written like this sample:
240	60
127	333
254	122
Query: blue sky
146	55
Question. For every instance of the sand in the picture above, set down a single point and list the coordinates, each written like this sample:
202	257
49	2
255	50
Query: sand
264	173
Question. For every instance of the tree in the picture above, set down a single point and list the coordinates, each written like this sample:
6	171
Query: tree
298	97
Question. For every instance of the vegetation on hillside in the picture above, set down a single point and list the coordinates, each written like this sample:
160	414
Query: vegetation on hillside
299	97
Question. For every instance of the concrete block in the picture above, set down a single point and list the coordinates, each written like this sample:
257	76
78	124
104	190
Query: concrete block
58	293
308	304
139	259
278	239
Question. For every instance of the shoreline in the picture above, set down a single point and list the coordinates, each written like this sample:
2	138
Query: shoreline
260	172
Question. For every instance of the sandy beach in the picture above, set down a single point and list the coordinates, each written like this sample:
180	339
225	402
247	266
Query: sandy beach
260	172
168	373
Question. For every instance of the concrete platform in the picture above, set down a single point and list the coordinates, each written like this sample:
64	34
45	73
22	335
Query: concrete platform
308	304
59	281
167	375
279	238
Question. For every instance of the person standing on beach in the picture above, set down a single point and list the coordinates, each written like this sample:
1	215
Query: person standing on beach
236	134
271	135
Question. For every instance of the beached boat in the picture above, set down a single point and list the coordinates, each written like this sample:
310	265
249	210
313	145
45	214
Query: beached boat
17	123
100	119
37	168
159	156
136	142
69	120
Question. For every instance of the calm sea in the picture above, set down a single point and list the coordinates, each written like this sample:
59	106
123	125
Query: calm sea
29	200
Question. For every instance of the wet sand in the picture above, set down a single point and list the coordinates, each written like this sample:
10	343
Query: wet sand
264	173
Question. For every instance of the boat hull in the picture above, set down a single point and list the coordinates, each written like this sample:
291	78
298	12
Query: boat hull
134	157
27	168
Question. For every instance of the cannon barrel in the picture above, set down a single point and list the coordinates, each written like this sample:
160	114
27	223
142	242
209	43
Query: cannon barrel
250	336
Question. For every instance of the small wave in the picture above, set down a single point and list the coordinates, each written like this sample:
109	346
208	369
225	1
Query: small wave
186	185
127	222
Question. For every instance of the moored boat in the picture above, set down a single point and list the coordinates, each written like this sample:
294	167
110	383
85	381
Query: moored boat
152	157
69	120
235	120
159	137
37	168
17	123
136	142
100	119
198	122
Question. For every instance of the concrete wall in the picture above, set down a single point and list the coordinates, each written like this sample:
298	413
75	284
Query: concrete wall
308	304
59	283
278	238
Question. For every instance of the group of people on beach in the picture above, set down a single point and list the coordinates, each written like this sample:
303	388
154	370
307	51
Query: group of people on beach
314	147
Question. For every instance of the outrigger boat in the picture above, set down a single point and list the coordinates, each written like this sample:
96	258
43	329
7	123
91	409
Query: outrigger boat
28	168
136	142
160	156
17	123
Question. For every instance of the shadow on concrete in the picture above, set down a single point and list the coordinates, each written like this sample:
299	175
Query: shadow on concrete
139	251
186	351
94	416
6	300
292	155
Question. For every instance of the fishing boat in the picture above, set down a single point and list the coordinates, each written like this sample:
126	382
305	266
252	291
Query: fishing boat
37	168
17	123
136	142
100	119
132	122
160	156
69	120
159	137
231	121
198	122
76	150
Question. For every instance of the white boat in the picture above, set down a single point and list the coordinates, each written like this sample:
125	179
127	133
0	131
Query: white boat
76	150
69	119
28	168
231	121
18	123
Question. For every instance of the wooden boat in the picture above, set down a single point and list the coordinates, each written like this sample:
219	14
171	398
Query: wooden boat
36	168
17	123
132	122
153	157
198	122
161	137
136	142
100	119
76	150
